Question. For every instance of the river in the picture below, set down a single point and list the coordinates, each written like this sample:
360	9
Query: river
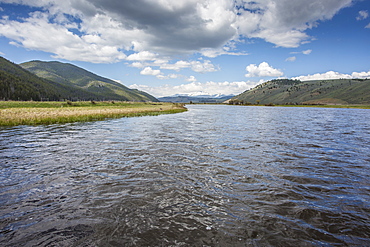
215	175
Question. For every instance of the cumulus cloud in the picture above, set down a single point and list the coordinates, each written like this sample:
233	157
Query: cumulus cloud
197	66
361	75
170	76
284	22
191	79
150	71
142	56
204	67
262	70
103	31
37	33
157	73
362	15
333	75
197	88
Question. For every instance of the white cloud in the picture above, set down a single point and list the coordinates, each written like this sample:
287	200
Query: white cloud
262	70
36	30
170	76
212	53
162	76
176	66
361	75
368	26
103	31
305	52
191	79
137	65
204	67
150	71
291	59
283	22
333	75
197	66
142	56
362	15
196	88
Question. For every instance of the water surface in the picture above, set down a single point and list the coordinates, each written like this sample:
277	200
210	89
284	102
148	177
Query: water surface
212	176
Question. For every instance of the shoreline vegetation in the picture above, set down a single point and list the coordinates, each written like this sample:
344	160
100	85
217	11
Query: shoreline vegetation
328	106
352	106
13	113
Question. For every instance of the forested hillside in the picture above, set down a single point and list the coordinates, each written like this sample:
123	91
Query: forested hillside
54	81
19	84
68	74
285	91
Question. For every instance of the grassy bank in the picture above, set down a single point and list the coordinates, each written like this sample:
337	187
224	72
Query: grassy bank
14	113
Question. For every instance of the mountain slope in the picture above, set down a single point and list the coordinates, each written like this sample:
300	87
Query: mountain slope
71	75
17	83
285	91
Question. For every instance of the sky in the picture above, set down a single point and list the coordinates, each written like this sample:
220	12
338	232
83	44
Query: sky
193	47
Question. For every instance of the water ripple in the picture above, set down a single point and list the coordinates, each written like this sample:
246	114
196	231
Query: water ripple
212	176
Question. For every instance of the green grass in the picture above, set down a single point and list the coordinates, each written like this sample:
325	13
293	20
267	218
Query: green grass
14	113
57	104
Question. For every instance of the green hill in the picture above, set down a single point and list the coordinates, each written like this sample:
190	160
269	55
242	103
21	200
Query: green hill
285	91
17	83
71	75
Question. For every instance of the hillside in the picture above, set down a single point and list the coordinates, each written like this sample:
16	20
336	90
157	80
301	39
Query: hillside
285	91
71	75
17	83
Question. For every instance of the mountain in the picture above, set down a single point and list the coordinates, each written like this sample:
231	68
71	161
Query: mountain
285	91
195	99
76	77
17	83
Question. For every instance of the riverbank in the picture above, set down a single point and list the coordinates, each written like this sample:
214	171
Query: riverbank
14	113
318	106
330	106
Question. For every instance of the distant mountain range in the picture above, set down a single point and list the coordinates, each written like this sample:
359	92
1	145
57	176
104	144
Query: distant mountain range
37	80
181	98
285	91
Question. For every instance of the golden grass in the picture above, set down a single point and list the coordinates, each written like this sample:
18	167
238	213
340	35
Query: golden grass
50	115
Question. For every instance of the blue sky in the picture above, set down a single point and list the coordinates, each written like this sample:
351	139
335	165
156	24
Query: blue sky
194	47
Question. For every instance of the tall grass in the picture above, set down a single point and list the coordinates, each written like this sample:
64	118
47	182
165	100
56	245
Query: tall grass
33	113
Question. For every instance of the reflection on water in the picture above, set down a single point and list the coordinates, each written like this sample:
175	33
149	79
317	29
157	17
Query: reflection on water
212	176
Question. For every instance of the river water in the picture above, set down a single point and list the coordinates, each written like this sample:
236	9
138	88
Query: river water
212	176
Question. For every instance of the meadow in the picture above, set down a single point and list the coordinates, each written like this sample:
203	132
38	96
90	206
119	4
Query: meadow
14	113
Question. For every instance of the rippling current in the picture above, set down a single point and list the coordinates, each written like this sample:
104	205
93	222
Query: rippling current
212	176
